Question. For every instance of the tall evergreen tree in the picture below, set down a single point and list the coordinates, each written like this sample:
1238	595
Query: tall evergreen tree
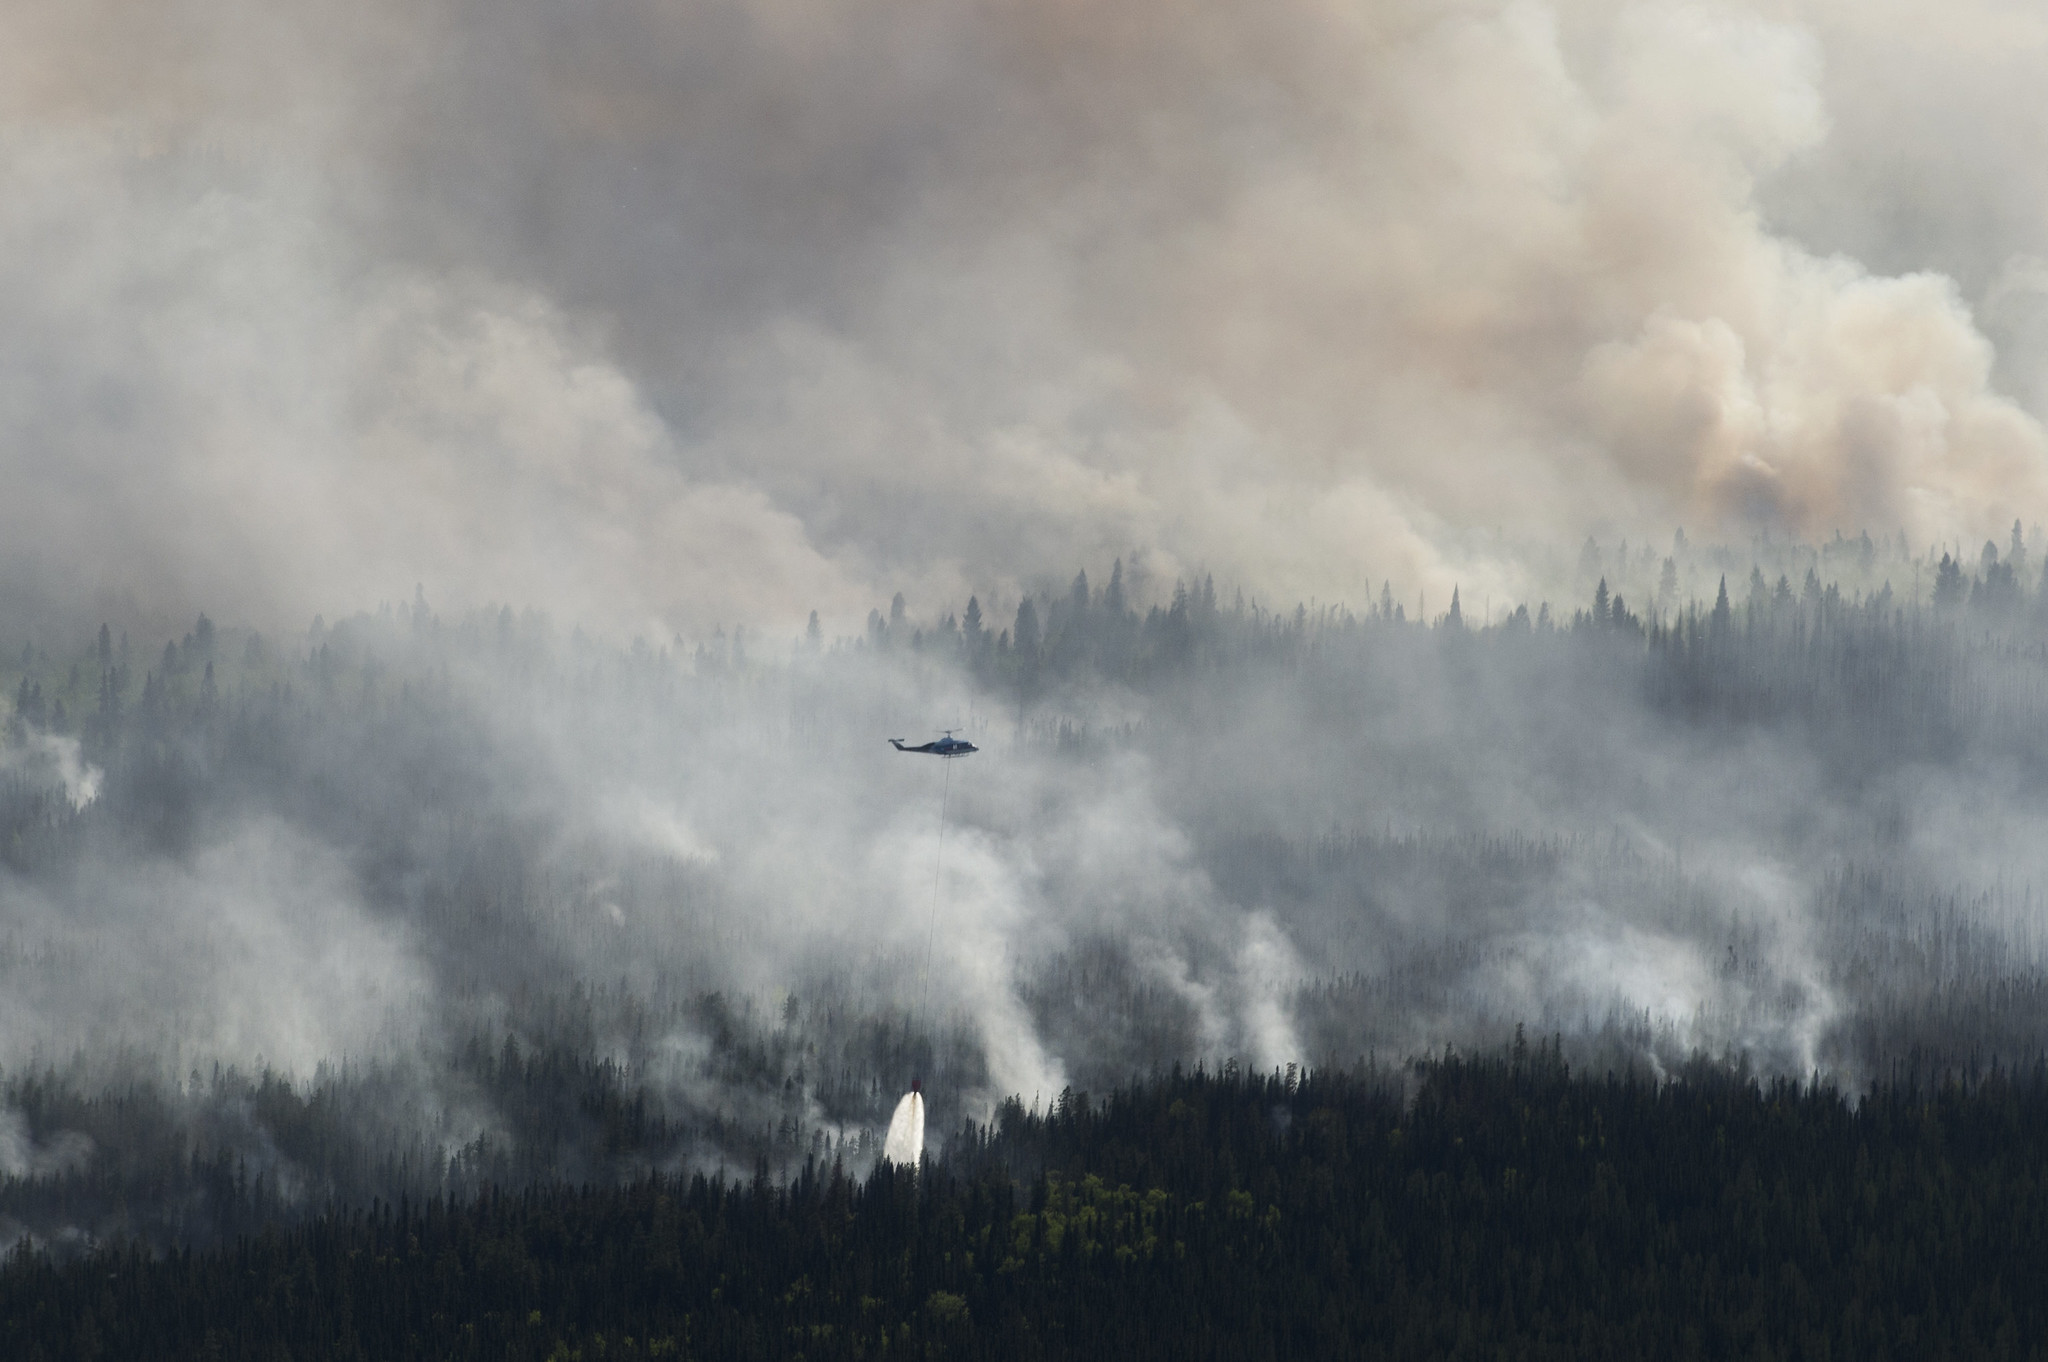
1024	633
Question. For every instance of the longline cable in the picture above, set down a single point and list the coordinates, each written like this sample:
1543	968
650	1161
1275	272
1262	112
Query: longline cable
938	870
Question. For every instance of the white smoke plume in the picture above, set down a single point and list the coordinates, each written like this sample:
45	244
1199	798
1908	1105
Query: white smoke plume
57	755
21	1155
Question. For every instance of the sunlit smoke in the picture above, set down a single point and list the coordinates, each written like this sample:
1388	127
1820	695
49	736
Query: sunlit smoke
1313	298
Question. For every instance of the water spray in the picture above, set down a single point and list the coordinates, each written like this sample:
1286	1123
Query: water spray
904	1144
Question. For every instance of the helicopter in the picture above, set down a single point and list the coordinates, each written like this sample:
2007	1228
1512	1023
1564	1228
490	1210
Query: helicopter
948	746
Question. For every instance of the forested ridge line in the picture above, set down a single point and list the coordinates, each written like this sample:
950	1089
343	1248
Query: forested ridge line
1462	1207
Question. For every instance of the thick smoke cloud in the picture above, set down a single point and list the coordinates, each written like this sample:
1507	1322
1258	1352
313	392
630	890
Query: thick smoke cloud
630	334
659	318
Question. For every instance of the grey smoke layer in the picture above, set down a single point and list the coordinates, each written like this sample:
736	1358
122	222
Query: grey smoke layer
498	900
666	316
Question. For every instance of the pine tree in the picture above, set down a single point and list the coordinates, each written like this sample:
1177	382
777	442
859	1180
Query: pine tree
974	639
1949	586
1589	560
1024	633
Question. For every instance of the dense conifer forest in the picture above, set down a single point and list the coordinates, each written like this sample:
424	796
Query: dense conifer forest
1458	1208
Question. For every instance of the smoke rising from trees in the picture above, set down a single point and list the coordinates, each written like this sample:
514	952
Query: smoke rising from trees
430	901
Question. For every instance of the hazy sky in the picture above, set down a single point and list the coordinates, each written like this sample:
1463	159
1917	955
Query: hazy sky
660	315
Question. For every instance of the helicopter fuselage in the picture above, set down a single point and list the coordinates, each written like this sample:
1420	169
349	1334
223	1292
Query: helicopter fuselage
948	746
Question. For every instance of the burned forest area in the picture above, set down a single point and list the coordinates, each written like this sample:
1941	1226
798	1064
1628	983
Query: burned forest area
1660	973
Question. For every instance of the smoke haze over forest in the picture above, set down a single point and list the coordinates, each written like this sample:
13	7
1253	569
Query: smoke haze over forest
413	901
509	385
